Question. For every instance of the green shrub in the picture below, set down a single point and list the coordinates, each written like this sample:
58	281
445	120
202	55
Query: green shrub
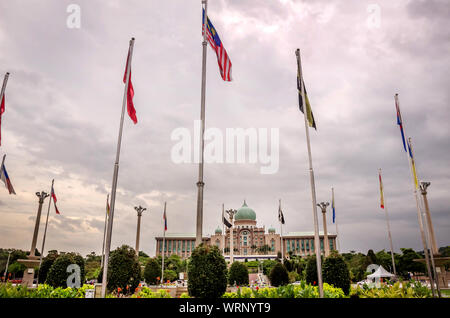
268	265
207	272
279	275
146	292
124	271
152	271
412	289
311	270
47	262
238	274
57	275
335	272
170	275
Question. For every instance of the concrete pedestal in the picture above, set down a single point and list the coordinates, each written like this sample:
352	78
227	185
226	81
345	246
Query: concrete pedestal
28	274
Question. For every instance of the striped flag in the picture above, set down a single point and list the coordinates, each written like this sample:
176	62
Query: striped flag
280	214
381	191
165	220
413	165
108	209
5	178
217	45
332	206
399	120
2	110
309	115
54	200
130	93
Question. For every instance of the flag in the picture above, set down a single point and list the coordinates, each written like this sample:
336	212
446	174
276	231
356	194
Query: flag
54	200
413	166
165	220
280	215
226	222
5	178
217	46
2	110
309	115
108	209
130	92
332	206
381	192
399	120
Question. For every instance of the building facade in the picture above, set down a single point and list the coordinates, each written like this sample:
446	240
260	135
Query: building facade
249	241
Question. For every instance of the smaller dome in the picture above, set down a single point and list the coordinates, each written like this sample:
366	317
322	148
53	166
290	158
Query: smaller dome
245	213
218	230
271	230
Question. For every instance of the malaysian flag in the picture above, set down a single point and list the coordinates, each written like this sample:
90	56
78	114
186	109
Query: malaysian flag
5	178
54	200
217	45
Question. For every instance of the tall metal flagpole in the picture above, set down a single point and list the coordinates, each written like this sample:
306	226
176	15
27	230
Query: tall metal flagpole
311	175
164	245
223	229
104	231
200	183
335	219
389	230
419	214
45	230
116	174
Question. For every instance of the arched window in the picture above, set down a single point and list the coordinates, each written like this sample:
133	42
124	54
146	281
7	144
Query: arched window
217	243
272	242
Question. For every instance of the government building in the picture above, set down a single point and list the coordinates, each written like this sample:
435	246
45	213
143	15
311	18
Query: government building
249	241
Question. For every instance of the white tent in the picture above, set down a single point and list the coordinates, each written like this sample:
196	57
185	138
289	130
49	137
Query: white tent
380	272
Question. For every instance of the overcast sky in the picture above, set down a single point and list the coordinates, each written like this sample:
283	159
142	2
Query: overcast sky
64	97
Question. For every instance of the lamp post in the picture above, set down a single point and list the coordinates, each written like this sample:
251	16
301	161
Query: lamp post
42	195
231	213
139	211
323	206
7	264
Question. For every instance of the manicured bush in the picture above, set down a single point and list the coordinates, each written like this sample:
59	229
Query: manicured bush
238	274
47	262
152	271
207	272
311	270
124	271
170	275
268	265
336	272
57	275
279	275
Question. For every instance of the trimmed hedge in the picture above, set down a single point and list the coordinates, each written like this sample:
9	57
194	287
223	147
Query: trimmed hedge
238	274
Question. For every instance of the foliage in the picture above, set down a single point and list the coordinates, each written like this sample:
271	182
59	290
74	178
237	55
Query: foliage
170	275
57	275
311	270
410	289
238	274
268	265
294	276
207	272
152	271
42	291
336	273
303	290
17	269
124	271
47	263
142	254
146	292
279	275
407	264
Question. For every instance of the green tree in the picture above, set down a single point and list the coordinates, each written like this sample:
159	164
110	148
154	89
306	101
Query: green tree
267	265
47	263
279	275
170	275
336	272
311	270
407	264
124	269
152	271
238	274
57	275
207	272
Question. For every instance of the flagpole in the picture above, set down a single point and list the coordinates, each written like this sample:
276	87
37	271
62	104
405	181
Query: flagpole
311	175
45	230
164	242
419	214
104	231
5	80
116	174
335	220
425	238
388	229
223	230
200	183
281	232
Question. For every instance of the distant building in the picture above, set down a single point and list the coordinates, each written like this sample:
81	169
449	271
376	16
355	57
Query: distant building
250	241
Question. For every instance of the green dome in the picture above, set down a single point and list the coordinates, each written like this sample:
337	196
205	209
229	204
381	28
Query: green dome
245	213
218	230
271	230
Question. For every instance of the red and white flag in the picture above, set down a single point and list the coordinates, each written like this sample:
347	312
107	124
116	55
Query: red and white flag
2	110
130	92
54	200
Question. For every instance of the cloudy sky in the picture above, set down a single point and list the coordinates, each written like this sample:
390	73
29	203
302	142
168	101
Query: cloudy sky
64	97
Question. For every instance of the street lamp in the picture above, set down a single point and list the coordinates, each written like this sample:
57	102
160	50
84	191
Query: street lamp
139	211
231	213
323	206
7	263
